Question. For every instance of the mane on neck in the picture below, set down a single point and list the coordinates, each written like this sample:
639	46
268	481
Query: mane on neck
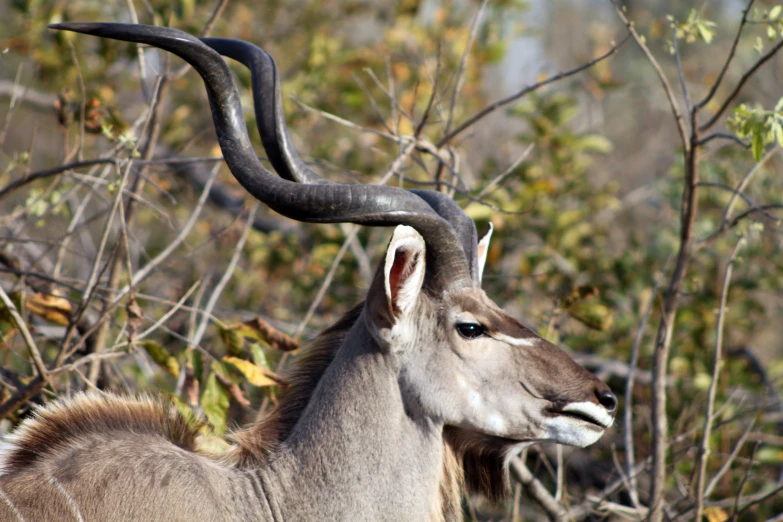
468	460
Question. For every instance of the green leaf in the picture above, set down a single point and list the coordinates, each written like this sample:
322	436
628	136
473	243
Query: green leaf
758	146
196	362
759	45
214	402
777	129
770	455
161	357
774	13
232	340
596	143
771	32
259	355
705	30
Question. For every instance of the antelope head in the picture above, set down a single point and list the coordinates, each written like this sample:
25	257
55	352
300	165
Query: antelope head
463	362
467	364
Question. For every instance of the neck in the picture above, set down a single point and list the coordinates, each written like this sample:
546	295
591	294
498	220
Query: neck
355	453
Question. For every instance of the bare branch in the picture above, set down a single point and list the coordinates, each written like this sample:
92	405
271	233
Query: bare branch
738	193
745	77
145	271
736	221
35	355
629	387
212	301
704	447
730	460
460	78
729	58
678	64
537	491
724	136
119	162
678	118
527	90
511	168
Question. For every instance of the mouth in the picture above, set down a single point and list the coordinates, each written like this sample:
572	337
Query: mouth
586	412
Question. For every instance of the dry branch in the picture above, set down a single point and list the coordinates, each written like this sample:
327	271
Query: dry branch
274	337
472	120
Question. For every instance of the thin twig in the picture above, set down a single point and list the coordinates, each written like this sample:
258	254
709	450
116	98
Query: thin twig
534	488
527	90
120	162
729	58
147	269
83	103
426	115
389	92
751	461
745	77
126	217
212	301
723	136
373	104
678	64
736	220
12	105
460	78
511	168
95	271
739	194
678	118
730	460
629	387
704	447
10	308
559	473
162	320
744	183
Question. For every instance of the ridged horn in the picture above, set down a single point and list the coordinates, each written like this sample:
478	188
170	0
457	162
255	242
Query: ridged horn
270	120
268	105
372	205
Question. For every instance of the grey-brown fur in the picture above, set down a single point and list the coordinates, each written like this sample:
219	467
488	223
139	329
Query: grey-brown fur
342	445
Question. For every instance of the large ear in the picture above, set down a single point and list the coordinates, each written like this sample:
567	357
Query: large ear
483	248
397	285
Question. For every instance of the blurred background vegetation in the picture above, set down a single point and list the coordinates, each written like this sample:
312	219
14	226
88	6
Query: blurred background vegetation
582	180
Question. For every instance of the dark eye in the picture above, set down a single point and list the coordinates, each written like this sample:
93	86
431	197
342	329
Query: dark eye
470	330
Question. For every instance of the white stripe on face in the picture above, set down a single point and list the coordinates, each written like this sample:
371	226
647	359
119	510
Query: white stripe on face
516	341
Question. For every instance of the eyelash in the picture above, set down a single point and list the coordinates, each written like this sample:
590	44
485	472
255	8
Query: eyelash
471	330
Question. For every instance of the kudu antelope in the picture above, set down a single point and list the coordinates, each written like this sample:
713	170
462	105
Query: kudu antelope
421	391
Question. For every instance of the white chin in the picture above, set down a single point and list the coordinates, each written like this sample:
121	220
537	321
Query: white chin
574	432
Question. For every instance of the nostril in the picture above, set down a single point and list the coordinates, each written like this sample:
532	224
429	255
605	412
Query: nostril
607	399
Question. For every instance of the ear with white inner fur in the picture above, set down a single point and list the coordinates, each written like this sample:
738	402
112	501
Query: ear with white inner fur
483	249
403	271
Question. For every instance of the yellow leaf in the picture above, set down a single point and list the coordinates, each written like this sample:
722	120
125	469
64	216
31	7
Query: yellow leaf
254	374
715	514
51	307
